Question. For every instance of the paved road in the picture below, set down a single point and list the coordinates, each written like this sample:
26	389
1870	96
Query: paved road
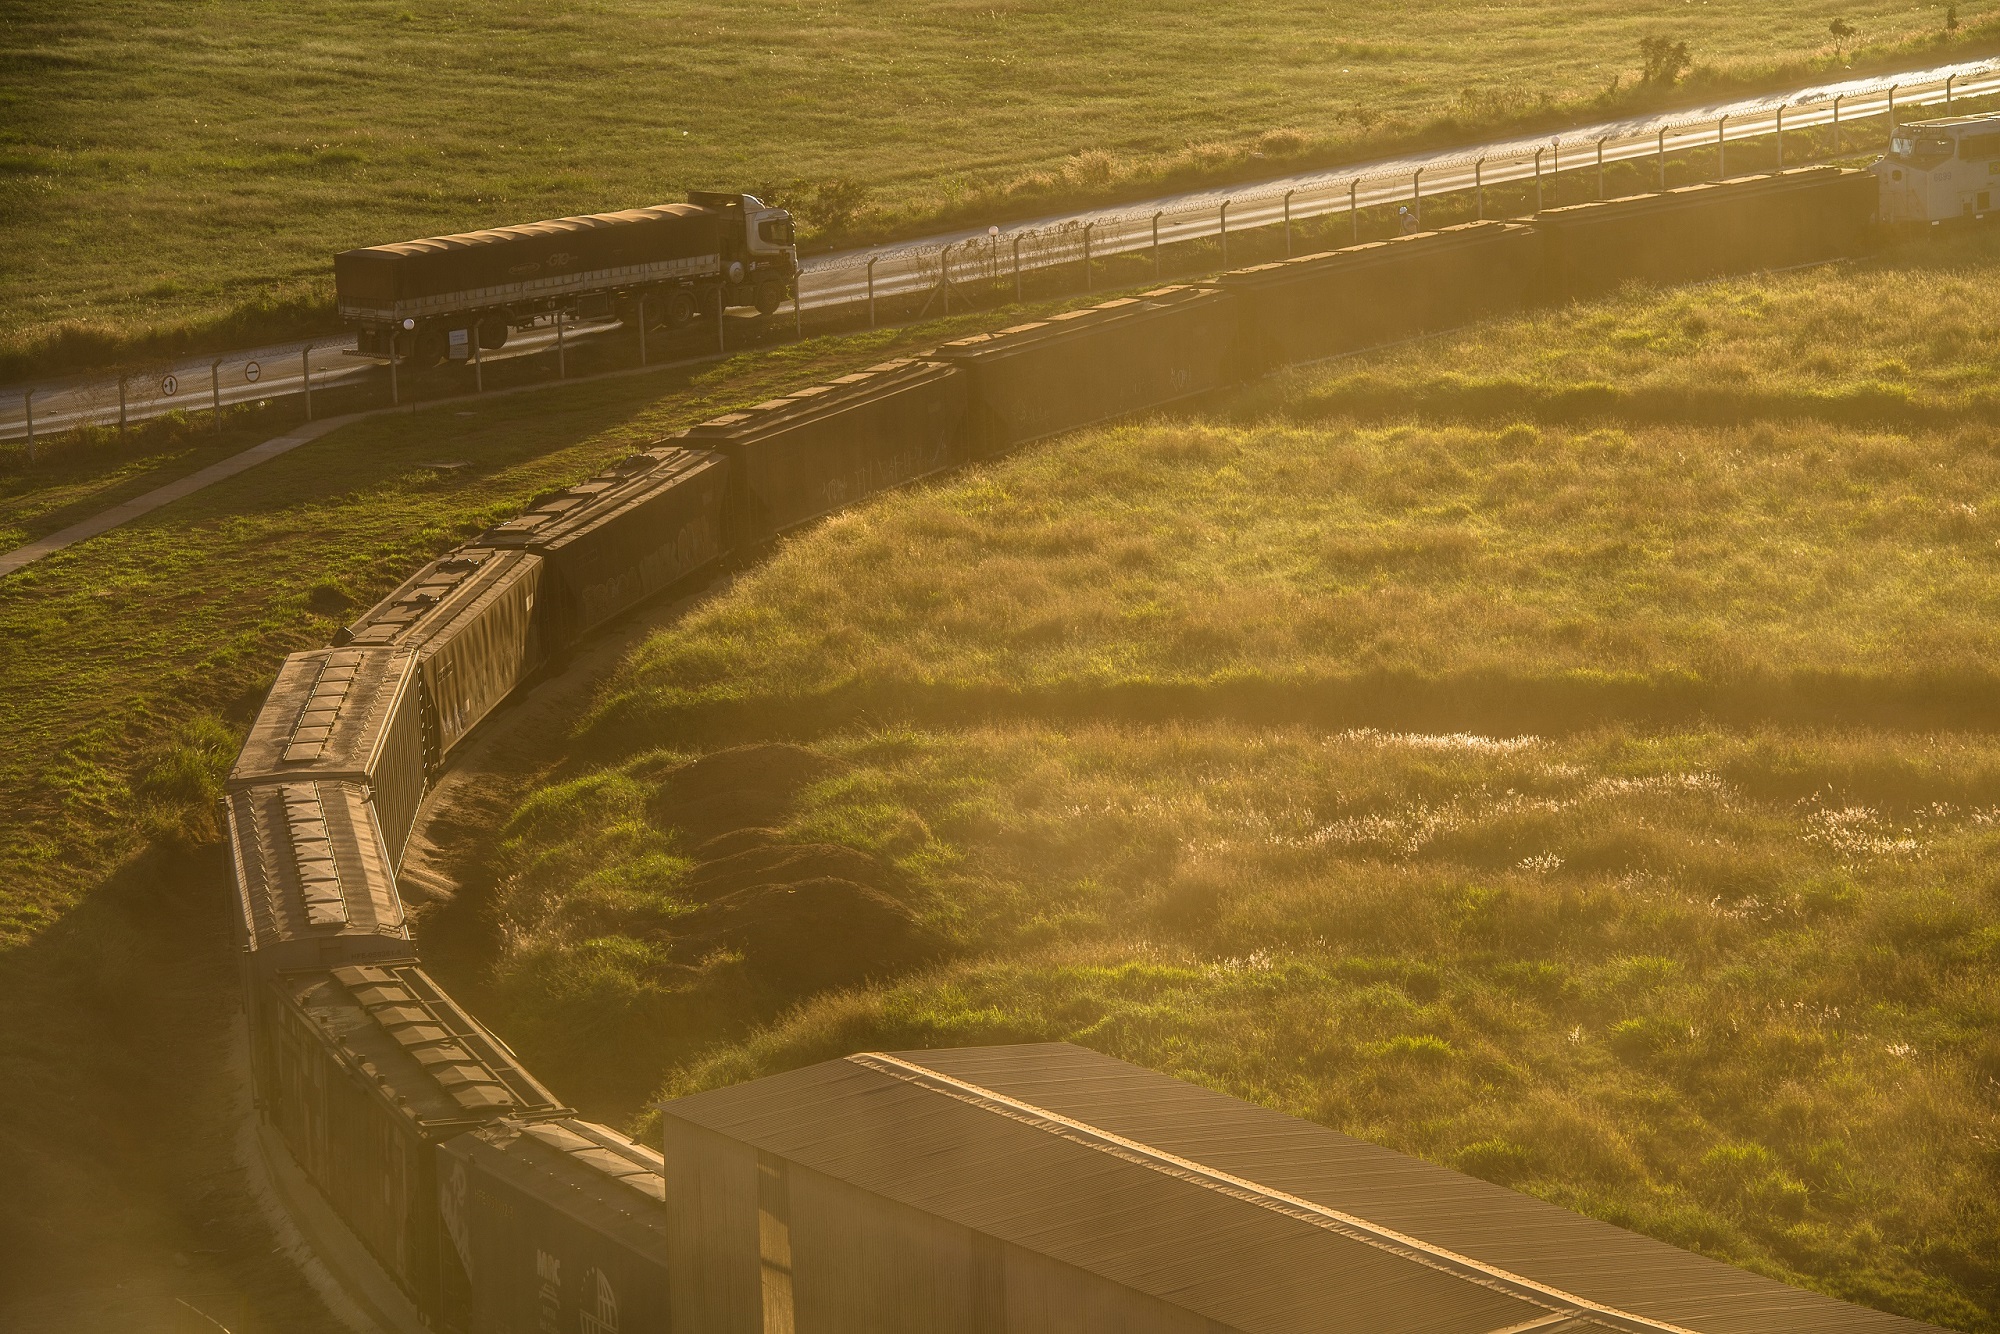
844	277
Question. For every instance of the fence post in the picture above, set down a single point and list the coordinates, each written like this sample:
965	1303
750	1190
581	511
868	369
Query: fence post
1892	110
1224	233
1354	213
305	379
944	276
1949	79
1538	177
1156	243
1556	170
1721	150
1600	168
1288	222
479	362
642	339
562	350
1479	188
1781	136
1836	123
798	320
1086	255
1017	268
395	394
721	323
1660	155
1417	193
215	389
121	404
28	400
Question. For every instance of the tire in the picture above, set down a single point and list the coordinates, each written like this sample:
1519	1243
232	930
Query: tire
493	333
680	309
770	295
429	348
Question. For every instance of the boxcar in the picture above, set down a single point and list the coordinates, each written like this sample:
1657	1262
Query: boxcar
470	619
1091	365
351	714
313	884
560	1226
798	458
1343	300
638	527
370	1068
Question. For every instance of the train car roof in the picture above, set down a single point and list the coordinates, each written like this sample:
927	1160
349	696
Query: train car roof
1022	337
1952	122
327	715
557	520
427	604
590	1172
585	222
1262	1222
423	1054
835	395
313	879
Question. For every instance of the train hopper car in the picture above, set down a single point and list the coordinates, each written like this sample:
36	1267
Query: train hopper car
1091	365
562	1218
347	714
640	526
470	619
1325	304
369	1069
313	879
801	457
1701	231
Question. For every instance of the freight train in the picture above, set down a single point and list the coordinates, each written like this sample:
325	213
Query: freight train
492	1206
419	302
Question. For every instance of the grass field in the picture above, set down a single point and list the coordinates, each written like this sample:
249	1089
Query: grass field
1562	750
169	168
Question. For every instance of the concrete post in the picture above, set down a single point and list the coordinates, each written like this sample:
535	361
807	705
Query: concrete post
215	389
1417	194
1156	243
1836	123
871	281
721	323
642	338
1353	212
306	377
1600	169
1479	188
1721	149
1288	222
1661	155
121	404
28	400
1086	259
1781	136
1892	109
1949	79
1538	178
562	352
1224	233
479	362
1017	268
395	356
798	319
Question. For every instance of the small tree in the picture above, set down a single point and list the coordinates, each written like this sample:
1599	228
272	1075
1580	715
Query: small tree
1664	60
1843	33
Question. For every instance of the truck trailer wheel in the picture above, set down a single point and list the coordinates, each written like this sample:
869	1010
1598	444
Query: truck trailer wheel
431	347
770	295
493	333
680	308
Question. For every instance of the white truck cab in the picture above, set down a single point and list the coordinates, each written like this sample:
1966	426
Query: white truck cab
760	256
1939	170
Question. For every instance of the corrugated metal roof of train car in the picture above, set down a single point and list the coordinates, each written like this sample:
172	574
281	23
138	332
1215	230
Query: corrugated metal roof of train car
940	1152
590	1172
1020	337
436	1064
559	519
522	231
426	604
834	395
313	877
1217	1253
328	711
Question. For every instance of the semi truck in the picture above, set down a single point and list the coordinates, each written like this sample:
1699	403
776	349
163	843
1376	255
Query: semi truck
419	302
1939	170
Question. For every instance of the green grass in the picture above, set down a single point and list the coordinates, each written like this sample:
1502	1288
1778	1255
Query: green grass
247	143
1562	750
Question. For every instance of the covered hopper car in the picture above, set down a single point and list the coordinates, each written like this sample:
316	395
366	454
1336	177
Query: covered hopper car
421	301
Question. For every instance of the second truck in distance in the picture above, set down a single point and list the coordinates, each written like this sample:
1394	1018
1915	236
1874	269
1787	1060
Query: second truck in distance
422	301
